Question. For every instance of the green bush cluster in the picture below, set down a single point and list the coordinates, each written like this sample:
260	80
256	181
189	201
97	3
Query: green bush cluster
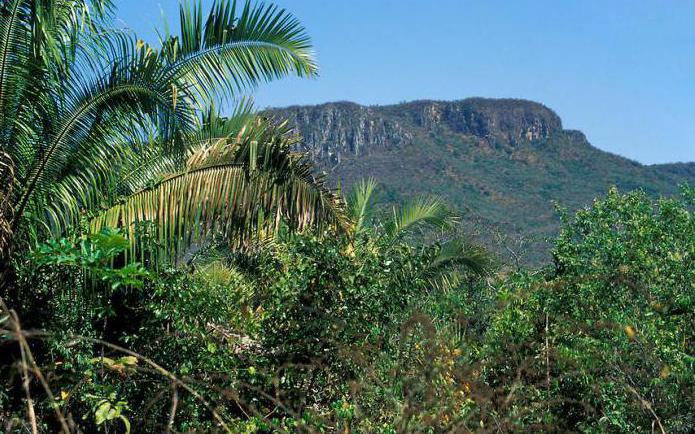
320	332
610	327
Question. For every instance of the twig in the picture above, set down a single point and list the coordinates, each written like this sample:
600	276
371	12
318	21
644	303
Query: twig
151	402
26	351
174	405
162	371
31	415
21	337
648	406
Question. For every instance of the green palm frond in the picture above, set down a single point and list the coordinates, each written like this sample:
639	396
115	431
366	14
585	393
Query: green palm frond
141	165
76	123
218	201
90	107
462	252
99	123
446	264
58	25
14	58
103	178
418	214
454	260
359	203
34	36
234	50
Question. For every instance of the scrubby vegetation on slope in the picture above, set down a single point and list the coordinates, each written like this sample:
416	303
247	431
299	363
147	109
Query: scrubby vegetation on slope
502	161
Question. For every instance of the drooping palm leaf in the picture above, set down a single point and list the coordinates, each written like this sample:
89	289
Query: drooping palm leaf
454	259
420	213
253	155
222	201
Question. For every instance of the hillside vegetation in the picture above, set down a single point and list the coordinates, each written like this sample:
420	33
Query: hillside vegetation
505	162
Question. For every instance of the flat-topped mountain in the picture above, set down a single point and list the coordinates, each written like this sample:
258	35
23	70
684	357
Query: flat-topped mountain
504	162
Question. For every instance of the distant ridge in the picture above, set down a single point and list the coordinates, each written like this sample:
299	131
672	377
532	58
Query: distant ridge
504	161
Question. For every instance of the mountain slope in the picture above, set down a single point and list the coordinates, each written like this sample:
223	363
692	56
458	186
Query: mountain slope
503	161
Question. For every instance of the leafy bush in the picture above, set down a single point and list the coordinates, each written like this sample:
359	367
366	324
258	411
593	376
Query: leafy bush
324	332
605	340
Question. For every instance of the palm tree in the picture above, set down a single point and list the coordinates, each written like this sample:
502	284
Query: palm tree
240	181
414	222
98	125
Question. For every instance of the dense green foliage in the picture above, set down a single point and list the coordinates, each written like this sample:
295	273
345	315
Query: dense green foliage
613	323
166	269
327	332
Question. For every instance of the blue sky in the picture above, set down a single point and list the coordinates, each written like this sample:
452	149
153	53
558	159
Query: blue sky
621	71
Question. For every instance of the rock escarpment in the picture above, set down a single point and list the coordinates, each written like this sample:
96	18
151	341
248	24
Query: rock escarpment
334	130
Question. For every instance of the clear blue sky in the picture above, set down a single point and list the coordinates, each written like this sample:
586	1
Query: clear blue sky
622	71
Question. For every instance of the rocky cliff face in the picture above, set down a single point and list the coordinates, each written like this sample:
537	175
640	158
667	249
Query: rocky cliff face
505	120
335	130
502	161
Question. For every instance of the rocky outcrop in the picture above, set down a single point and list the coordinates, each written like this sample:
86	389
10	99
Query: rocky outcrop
335	130
506	120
